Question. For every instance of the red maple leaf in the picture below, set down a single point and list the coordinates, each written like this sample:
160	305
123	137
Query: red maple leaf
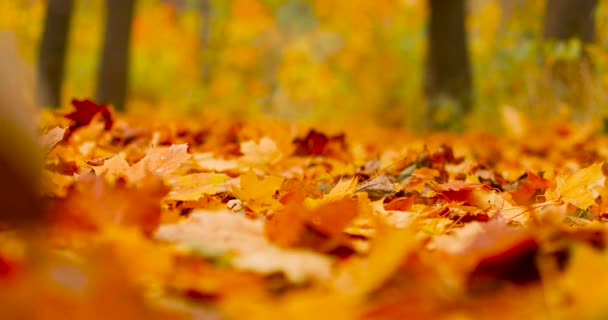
316	143
313	144
86	111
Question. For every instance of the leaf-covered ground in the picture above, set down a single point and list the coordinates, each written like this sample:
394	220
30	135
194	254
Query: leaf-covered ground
209	218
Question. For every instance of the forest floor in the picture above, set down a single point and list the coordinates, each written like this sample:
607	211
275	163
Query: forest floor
212	218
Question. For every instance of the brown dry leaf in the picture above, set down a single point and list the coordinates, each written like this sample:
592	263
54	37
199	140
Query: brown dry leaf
377	188
243	240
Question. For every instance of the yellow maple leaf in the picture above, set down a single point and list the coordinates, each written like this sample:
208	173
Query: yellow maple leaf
113	168
193	186
262	153
257	193
579	189
342	189
159	161
496	201
223	232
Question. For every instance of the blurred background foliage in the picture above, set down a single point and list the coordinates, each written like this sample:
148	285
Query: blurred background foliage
337	61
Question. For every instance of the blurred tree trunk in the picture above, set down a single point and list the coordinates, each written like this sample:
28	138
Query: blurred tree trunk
112	84
565	20
204	33
51	59
507	10
448	74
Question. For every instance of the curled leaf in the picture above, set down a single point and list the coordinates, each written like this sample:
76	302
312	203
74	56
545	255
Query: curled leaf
52	137
377	188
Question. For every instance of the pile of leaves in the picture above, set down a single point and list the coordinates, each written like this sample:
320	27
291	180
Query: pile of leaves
209	218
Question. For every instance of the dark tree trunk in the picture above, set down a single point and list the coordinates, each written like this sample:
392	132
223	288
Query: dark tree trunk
448	73
569	80
566	19
51	60
204	33
507	9
113	74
